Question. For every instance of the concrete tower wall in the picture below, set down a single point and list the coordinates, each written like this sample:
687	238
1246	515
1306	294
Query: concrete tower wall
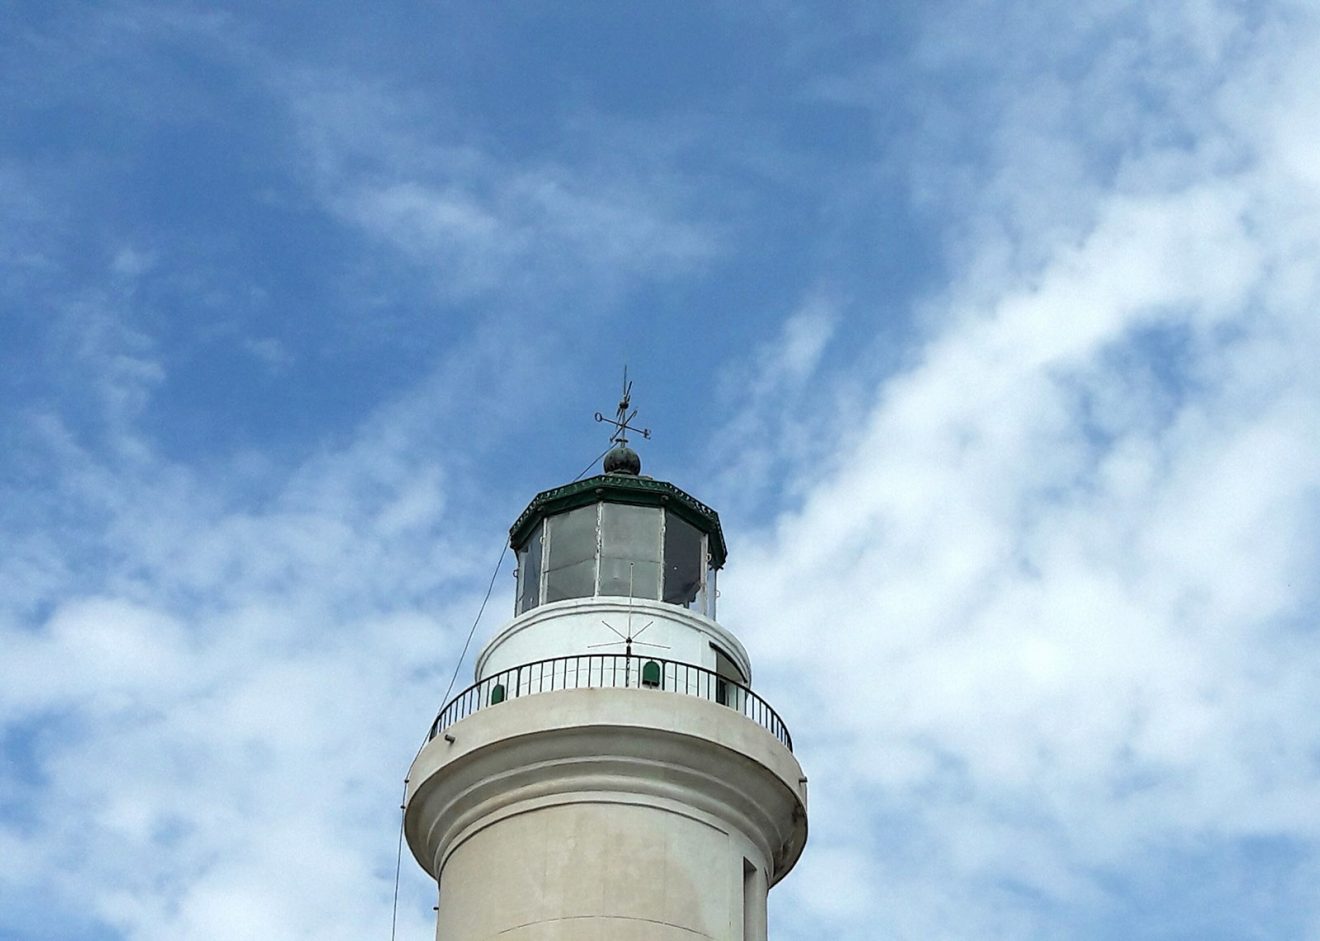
596	869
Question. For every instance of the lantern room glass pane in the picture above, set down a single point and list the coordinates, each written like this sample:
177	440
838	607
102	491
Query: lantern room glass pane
630	551
529	572
616	573
685	559
571	581
570	569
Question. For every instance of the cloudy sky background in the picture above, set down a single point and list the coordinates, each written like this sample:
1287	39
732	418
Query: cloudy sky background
990	329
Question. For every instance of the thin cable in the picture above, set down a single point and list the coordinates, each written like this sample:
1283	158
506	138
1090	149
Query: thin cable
593	463
398	863
398	856
480	611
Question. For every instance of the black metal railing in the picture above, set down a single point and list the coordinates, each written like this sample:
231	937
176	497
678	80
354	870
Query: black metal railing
612	671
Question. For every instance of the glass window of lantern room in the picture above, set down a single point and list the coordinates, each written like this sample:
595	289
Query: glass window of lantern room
529	571
570	565
685	561
630	537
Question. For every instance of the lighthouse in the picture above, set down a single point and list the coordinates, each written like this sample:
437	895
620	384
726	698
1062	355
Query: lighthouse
611	774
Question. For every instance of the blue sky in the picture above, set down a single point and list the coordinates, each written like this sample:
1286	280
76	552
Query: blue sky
989	328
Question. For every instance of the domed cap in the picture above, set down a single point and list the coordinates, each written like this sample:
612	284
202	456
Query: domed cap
629	489
623	460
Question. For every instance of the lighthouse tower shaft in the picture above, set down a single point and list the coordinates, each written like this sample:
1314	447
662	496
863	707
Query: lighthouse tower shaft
611	774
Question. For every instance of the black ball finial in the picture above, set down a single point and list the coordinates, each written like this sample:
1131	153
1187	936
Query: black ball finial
623	460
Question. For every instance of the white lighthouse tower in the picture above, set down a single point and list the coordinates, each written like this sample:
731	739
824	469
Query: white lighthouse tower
611	775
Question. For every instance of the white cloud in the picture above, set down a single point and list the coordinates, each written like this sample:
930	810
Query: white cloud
271	352
213	768
131	263
1041	622
478	221
780	383
1052	605
209	690
25	242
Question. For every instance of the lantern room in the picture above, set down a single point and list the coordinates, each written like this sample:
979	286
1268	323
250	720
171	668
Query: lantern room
618	535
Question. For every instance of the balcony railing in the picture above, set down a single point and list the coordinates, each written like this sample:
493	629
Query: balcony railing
612	671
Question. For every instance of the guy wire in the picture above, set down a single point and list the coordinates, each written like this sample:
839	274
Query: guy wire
398	856
584	470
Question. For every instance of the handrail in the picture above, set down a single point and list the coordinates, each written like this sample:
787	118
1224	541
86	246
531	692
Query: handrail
612	671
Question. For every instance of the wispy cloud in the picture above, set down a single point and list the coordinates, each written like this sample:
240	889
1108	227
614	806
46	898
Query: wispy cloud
1035	591
476	220
188	689
781	411
1056	589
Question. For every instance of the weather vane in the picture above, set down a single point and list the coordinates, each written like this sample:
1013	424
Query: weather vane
623	417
